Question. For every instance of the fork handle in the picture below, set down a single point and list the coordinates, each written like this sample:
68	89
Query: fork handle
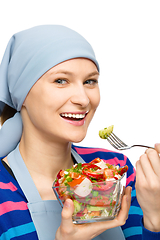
129	147
142	146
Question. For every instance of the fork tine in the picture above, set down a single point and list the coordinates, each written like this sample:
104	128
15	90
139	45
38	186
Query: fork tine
115	141
113	138
120	141
111	142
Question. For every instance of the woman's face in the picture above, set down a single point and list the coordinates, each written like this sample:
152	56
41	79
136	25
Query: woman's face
63	101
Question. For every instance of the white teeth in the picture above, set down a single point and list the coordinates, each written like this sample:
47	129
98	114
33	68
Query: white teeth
70	115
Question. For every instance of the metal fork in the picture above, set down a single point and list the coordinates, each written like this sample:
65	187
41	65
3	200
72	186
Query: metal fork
119	144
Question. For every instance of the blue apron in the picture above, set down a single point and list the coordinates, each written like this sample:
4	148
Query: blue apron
46	215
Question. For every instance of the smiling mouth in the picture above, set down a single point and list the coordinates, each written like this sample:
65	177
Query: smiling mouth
73	116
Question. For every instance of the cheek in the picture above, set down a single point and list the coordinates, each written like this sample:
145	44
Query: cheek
35	107
95	99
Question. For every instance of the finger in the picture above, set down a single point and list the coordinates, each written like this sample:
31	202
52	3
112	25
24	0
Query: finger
147	167
125	206
140	177
154	159
97	228
67	211
143	166
139	171
123	214
157	147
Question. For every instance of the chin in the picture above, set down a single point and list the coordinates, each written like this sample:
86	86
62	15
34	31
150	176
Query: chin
77	139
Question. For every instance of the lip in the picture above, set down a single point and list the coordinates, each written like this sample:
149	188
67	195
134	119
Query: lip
84	112
75	122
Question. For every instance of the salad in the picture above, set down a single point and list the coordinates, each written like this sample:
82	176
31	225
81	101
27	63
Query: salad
104	133
94	187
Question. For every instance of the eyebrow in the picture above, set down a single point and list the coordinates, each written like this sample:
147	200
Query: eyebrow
70	73
93	74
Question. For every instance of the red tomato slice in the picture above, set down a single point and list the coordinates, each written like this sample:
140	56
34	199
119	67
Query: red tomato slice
98	174
56	184
109	173
82	212
101	201
93	171
102	186
60	174
122	170
96	160
90	166
94	213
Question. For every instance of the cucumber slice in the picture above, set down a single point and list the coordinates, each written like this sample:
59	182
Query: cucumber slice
95	208
77	206
106	132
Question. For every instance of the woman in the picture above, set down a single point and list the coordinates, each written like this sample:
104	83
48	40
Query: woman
49	75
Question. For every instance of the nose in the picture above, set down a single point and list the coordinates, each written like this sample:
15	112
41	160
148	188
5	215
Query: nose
80	97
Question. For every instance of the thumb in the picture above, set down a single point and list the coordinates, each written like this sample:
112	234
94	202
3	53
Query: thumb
67	212
157	147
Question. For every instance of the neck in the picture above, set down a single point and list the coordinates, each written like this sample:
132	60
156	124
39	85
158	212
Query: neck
44	160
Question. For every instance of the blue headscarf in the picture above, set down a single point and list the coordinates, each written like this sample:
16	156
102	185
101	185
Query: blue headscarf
29	54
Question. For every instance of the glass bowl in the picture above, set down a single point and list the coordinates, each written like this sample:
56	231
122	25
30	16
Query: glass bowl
93	202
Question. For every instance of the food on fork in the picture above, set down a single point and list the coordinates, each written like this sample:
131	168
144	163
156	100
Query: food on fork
94	187
106	132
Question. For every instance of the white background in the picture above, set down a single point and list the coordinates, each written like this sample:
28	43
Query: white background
126	38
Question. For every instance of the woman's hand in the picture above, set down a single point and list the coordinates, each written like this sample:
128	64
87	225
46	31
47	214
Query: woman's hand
148	187
70	231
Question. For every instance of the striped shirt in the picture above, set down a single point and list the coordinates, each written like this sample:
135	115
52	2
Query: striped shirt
15	219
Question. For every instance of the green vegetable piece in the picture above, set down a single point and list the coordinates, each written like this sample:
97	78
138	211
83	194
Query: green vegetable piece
95	193
87	199
69	179
106	132
77	206
94	208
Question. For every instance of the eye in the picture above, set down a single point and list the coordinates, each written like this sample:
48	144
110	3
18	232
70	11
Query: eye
61	81
91	82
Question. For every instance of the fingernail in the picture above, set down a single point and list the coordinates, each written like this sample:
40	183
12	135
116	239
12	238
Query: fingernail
67	204
157	144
